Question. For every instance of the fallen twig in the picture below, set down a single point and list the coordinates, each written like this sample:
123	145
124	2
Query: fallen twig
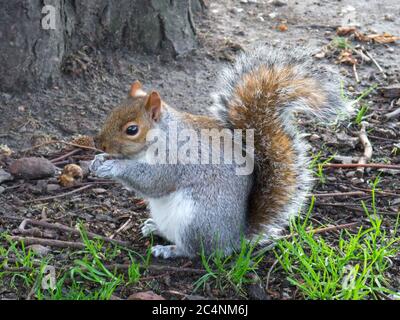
324	229
365	165
60	195
375	63
71	153
49	242
60	227
155	267
62	142
355	73
338	194
123	227
269	274
392	114
367	155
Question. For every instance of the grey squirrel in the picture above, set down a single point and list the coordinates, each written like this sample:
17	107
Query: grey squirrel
211	207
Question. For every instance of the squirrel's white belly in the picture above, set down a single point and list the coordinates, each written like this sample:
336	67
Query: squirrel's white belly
171	213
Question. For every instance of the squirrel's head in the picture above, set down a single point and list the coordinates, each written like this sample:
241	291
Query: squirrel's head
124	131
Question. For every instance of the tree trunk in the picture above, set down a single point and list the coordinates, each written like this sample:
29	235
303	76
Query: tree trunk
32	55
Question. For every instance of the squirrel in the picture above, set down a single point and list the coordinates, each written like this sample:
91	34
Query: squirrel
210	207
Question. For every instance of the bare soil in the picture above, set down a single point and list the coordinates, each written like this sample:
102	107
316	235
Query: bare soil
80	106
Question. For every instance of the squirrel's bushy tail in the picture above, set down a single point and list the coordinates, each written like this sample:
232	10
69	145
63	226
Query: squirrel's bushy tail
262	91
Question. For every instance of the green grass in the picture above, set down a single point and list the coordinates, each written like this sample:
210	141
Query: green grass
361	114
88	278
317	166
231	271
21	263
362	111
353	266
341	43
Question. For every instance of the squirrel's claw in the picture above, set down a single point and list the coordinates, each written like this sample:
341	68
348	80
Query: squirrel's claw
149	227
103	168
97	162
166	252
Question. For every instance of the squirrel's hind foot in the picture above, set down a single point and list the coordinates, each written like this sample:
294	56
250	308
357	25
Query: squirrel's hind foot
167	252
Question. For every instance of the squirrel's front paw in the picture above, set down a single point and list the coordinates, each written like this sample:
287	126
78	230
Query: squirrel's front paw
166	252
103	168
97	162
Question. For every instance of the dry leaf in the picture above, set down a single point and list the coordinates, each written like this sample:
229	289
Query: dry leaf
382	38
378	38
283	27
342	31
346	56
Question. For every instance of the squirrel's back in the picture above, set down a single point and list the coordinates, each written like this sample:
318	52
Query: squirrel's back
262	91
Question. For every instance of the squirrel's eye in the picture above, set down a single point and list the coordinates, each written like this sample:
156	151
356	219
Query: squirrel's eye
132	130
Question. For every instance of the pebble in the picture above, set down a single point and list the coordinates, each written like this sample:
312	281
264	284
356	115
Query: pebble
314	137
273	15
236	10
99	190
53	187
278	3
5	176
147	295
2	189
39	249
388	17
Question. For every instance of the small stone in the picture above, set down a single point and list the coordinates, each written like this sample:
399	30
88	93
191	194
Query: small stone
53	187
39	249
85	167
2	189
5	176
314	137
99	190
278	3
350	174
147	295
344	159
391	92
388	17
390	171
273	15
236	10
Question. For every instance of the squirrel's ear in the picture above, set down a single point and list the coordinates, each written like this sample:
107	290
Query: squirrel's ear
153	105
136	89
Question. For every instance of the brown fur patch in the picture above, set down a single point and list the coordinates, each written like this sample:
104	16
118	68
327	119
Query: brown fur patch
256	104
200	121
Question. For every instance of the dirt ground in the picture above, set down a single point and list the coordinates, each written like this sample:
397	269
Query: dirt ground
80	105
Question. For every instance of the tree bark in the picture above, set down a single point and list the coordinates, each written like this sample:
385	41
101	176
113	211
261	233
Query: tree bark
32	56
